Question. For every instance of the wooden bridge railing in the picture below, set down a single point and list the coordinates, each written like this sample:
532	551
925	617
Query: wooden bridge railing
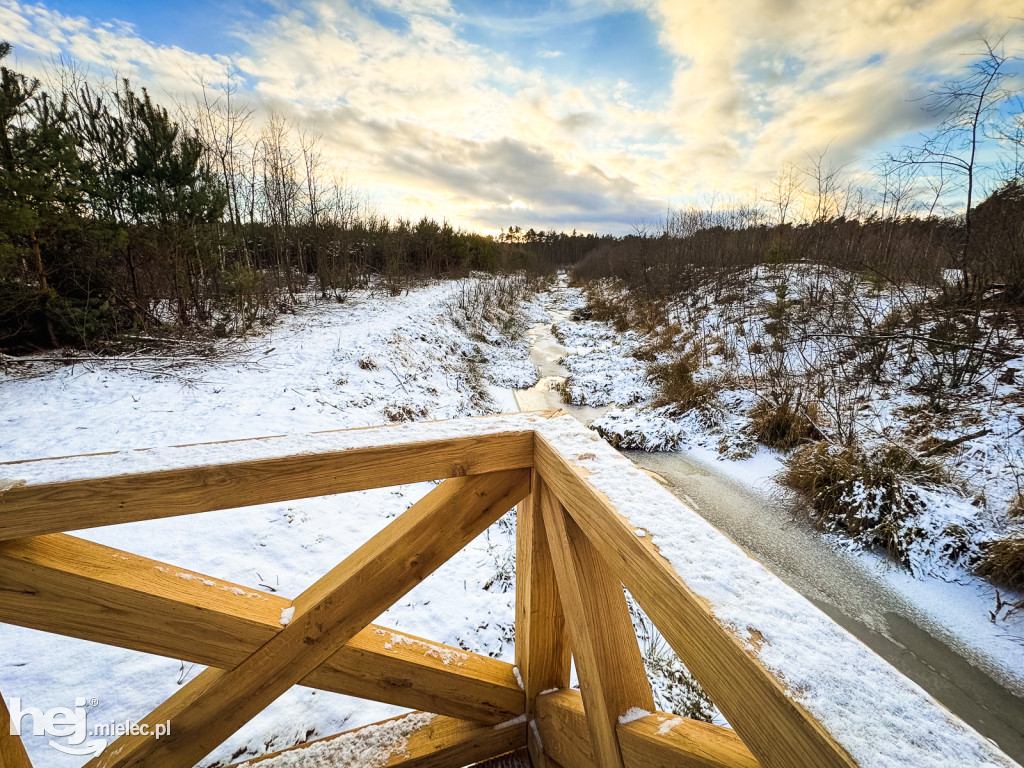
791	702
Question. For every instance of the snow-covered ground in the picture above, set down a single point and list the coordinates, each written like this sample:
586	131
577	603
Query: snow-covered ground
328	366
607	368
370	361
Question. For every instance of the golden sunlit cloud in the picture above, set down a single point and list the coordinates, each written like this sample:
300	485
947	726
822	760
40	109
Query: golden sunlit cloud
438	108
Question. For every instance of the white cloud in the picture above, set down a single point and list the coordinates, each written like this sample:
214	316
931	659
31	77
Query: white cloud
762	82
432	123
110	48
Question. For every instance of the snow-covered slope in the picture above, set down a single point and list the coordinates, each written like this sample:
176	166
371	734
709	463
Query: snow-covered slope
369	361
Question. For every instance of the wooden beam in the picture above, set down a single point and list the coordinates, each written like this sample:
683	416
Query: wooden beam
608	660
34	509
659	740
778	731
69	586
327	615
542	644
406	742
12	748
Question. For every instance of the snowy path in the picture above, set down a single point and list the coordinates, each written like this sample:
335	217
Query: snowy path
938	634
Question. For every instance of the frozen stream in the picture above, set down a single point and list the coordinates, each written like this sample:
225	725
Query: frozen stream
850	589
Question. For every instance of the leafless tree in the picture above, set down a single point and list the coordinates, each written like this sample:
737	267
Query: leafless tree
223	122
965	107
785	187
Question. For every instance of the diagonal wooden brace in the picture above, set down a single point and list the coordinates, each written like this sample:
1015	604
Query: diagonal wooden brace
327	615
69	586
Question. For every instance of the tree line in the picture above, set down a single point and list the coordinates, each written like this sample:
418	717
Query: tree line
922	216
119	215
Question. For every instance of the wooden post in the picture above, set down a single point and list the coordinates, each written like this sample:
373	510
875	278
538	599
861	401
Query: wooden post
779	731
608	661
12	749
542	645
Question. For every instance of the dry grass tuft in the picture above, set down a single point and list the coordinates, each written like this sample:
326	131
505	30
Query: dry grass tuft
867	494
785	424
677	387
1003	562
623	309
659	342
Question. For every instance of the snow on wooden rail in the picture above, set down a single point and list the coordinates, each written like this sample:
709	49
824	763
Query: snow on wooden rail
798	690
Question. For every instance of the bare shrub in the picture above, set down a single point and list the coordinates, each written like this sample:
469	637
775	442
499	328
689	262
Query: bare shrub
490	299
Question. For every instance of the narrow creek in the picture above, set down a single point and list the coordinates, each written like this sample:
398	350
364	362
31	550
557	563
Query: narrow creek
842	586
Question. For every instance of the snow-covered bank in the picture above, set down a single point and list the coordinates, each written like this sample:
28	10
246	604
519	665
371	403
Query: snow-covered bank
436	364
947	600
370	361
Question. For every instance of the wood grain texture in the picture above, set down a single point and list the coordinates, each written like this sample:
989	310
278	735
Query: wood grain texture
608	660
69	586
31	510
542	642
777	730
659	740
442	743
12	749
213	706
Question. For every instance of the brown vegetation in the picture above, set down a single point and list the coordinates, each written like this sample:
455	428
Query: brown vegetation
1003	562
867	494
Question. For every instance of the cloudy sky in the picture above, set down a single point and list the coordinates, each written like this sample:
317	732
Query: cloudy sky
593	114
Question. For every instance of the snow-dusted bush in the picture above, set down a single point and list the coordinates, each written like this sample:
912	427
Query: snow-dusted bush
874	495
736	446
635	429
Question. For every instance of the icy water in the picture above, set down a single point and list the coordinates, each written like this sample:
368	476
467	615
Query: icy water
854	596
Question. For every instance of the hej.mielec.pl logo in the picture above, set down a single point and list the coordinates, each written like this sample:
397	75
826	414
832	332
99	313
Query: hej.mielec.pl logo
72	725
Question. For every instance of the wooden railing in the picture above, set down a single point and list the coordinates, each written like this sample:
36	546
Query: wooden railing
577	546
